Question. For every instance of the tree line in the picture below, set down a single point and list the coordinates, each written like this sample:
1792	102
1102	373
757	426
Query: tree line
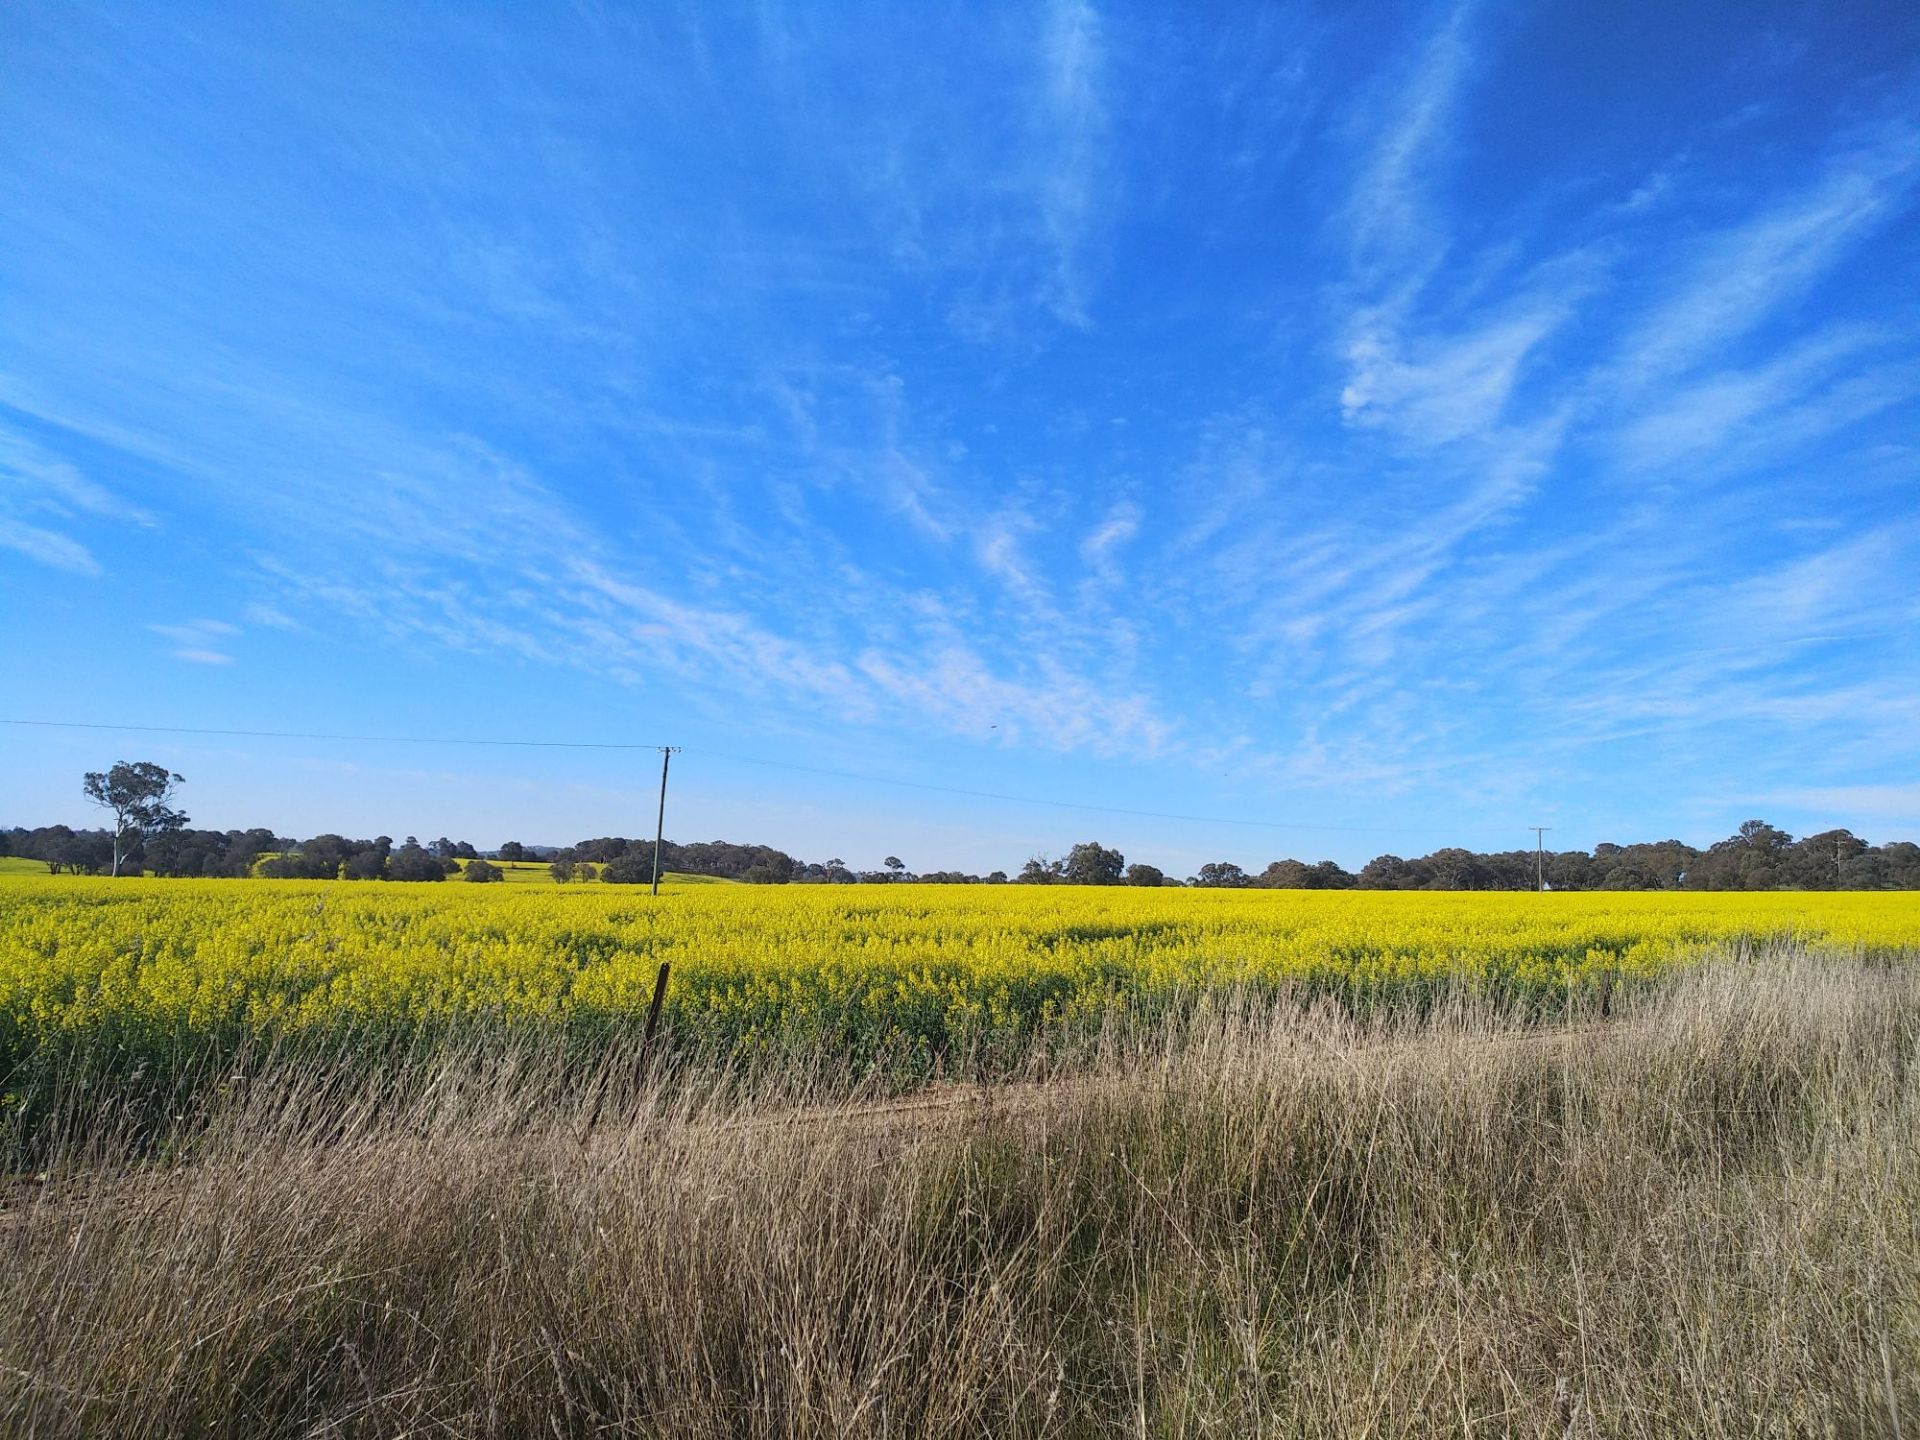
150	835
1758	857
257	852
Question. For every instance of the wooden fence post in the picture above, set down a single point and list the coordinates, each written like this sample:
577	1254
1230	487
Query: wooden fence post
653	1014
605	1076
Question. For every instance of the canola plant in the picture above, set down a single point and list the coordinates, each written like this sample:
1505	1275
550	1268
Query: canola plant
899	973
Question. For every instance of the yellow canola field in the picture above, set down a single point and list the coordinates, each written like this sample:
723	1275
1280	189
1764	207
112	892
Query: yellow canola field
896	971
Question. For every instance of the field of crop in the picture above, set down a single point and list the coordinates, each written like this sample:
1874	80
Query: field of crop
911	977
1695	1217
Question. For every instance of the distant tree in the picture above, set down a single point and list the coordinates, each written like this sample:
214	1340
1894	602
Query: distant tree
83	852
609	847
1040	871
1285	875
1507	870
513	850
630	869
1220	875
1669	862
1455	869
1387	872
137	793
997	877
42	843
1628	874
1091	863
1821	862
1572	870
1901	862
185	852
1329	876
562	870
1868	870
480	872
411	862
769	866
1139	874
896	867
246	846
1763	837
325	856
367	864
1755	858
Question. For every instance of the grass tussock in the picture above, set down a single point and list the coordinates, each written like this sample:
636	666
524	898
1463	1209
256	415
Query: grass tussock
1699	1216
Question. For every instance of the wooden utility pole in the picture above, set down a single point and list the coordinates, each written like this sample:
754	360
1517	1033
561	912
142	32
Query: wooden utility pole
660	820
1540	856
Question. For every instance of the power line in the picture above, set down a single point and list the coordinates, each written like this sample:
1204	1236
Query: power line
321	735
738	759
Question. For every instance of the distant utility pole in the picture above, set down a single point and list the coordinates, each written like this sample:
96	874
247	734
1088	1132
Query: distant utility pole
1540	855
660	820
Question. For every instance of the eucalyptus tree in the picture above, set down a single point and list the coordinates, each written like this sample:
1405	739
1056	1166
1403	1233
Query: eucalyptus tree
137	793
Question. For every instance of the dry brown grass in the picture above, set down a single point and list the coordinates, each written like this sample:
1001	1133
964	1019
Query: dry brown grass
1699	1217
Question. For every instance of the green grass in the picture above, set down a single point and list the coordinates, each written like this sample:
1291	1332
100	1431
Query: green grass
15	865
524	872
535	872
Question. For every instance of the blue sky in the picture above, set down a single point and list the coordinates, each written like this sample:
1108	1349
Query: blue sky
1401	424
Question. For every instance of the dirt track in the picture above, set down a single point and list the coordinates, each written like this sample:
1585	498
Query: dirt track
886	1125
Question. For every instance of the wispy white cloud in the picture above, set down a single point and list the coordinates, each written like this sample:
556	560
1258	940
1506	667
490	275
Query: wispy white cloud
1059	712
1100	551
1075	122
1832	590
1440	388
199	642
1388	218
196	630
998	549
32	475
1701	419
270	617
40	491
61	552
1739	276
